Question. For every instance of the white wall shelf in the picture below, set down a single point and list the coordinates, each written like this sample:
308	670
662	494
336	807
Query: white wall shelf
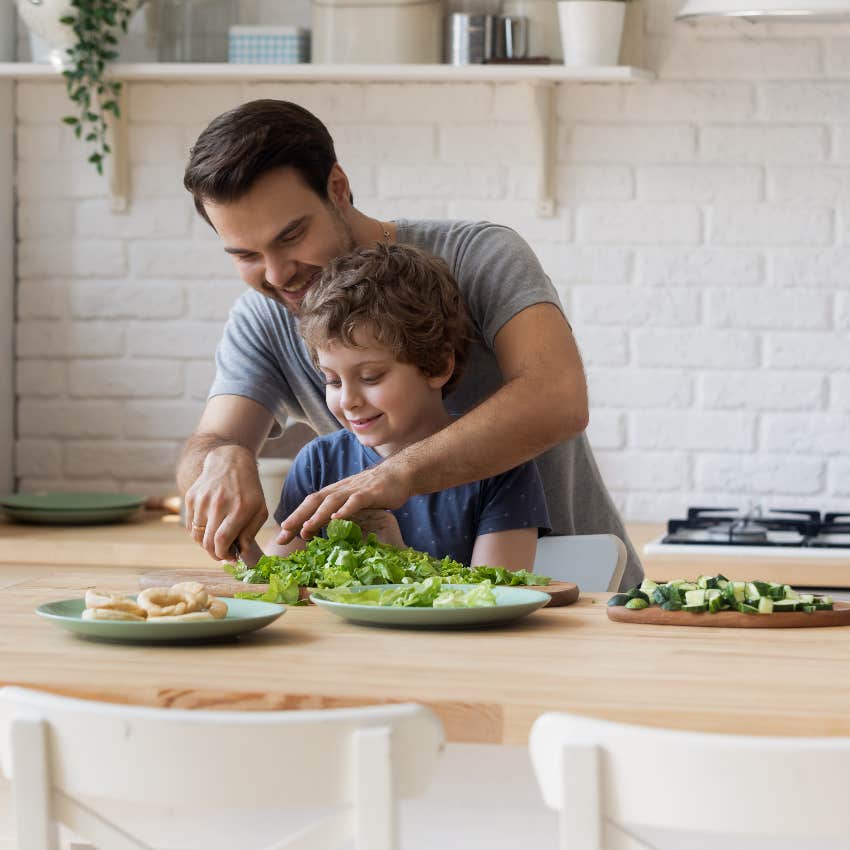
223	72
541	80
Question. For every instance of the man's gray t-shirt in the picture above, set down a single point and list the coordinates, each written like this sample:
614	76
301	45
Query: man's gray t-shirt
262	356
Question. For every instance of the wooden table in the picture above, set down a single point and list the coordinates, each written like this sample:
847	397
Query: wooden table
487	686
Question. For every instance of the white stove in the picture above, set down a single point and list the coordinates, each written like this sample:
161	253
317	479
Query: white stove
799	535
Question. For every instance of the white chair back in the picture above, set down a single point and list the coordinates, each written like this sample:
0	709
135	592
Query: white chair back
595	562
610	780
62	753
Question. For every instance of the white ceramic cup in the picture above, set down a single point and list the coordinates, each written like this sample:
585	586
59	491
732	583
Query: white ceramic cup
591	31
272	472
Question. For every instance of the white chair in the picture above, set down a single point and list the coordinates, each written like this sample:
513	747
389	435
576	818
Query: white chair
611	781
66	756
595	562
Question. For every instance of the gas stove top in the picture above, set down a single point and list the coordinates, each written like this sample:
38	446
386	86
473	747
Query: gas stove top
728	531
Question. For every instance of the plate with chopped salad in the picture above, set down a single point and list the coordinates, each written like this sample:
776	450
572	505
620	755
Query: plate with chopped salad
431	603
348	558
720	602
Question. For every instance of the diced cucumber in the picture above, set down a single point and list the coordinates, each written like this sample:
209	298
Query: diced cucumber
694	597
648	586
661	594
617	600
717	593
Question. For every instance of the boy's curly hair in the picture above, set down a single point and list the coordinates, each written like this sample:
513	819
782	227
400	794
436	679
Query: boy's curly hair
406	298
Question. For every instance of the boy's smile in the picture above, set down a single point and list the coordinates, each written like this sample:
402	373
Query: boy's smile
386	404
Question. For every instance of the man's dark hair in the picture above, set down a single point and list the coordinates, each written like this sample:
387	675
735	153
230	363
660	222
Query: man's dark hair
241	145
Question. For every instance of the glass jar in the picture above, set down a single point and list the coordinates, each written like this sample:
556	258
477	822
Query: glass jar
195	30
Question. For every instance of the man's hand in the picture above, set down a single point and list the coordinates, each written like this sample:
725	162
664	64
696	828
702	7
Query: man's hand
226	502
379	487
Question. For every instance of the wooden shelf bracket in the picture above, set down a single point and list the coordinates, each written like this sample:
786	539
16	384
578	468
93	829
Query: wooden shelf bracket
543	101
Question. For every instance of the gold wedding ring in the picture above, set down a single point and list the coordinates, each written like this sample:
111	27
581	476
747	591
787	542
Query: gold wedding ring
199	526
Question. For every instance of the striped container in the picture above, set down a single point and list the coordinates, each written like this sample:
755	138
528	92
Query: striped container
269	45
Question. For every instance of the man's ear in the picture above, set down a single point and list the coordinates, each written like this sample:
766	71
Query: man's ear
438	381
339	189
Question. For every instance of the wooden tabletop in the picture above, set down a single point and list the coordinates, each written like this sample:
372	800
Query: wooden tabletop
486	685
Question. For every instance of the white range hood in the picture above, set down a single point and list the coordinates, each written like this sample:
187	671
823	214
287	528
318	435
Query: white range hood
767	10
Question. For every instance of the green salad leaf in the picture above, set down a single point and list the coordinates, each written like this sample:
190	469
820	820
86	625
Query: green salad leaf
347	558
422	594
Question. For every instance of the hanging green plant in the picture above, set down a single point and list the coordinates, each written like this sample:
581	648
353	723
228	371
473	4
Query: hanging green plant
96	25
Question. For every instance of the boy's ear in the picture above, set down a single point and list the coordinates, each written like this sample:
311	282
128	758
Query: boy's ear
439	380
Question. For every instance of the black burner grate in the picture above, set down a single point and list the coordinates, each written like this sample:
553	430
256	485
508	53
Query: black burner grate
731	527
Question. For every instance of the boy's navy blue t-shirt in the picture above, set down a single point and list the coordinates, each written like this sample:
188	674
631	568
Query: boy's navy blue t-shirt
444	523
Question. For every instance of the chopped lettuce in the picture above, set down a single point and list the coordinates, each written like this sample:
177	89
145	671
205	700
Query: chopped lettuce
424	594
345	558
281	589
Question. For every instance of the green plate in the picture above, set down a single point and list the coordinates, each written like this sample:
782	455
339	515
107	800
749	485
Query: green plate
243	615
511	603
69	508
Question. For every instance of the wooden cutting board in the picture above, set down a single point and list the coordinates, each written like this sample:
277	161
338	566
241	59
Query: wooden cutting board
220	584
839	616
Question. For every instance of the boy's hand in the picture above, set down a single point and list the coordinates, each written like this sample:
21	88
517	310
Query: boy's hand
379	487
384	525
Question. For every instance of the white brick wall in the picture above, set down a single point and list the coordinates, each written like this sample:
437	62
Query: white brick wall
701	248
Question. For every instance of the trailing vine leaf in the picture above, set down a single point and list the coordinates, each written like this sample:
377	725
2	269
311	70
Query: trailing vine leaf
96	24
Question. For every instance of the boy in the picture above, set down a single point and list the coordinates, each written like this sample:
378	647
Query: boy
389	332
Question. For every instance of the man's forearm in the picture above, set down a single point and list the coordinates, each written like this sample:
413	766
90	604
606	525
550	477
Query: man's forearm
511	427
194	453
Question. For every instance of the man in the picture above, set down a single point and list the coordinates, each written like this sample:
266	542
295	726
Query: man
265	176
